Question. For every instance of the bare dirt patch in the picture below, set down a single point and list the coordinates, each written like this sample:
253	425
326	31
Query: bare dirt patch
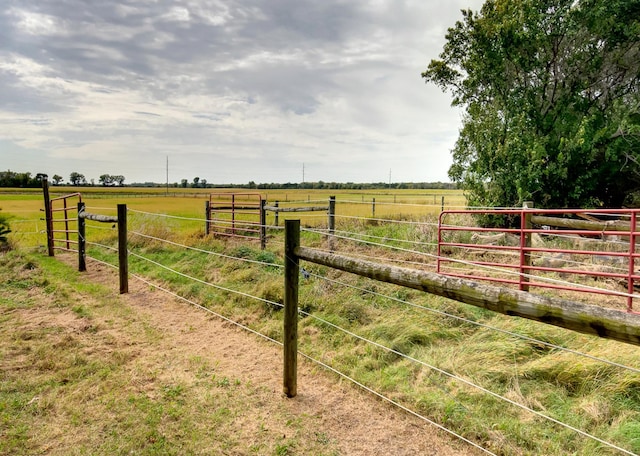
356	422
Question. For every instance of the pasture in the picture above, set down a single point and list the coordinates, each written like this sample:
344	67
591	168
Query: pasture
510	386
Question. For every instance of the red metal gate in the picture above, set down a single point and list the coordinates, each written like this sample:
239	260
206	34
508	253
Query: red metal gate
550	248
64	220
235	214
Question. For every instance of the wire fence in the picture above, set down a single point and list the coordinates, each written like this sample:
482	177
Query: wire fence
355	237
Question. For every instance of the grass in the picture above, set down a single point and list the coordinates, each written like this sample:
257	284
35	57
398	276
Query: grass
92	378
600	399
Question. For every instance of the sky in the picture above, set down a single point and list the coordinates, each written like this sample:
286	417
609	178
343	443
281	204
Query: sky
230	91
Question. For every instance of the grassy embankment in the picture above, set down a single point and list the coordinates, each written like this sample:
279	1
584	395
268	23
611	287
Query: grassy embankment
596	397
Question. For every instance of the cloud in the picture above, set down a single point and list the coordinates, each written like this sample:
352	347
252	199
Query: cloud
248	88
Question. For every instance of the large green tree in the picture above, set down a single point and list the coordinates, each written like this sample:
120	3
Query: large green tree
552	101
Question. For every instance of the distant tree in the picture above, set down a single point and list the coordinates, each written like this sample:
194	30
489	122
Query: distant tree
203	183
119	179
105	179
196	180
77	179
183	183
57	179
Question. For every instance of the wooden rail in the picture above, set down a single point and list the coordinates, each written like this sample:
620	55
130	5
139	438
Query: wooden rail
613	225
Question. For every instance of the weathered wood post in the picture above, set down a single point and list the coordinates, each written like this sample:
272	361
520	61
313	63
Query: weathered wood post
373	208
525	245
290	336
276	214
263	224
207	217
442	204
123	256
332	221
48	213
332	214
82	243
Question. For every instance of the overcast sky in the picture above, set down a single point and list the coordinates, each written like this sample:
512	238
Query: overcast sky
229	90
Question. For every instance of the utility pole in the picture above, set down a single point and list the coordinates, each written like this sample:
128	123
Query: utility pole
167	175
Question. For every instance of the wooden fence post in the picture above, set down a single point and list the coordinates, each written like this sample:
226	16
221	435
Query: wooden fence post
263	224
373	208
48	214
276	215
525	243
290	330
82	244
442	205
207	217
332	214
123	256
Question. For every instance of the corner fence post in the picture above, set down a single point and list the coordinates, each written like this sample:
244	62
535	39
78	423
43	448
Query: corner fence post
48	213
82	244
123	257
290	330
263	224
525	245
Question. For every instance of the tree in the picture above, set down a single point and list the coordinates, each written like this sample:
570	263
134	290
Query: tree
106	179
119	179
552	101
77	179
57	179
183	183
196	180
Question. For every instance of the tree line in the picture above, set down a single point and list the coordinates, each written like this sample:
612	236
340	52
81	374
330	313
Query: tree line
27	180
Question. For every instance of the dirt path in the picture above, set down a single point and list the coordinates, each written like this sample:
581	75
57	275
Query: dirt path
357	422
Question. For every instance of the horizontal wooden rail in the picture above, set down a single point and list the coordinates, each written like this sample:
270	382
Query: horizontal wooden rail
296	209
613	225
98	217
603	322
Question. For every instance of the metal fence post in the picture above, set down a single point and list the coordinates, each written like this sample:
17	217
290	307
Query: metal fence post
263	224
525	245
82	244
290	336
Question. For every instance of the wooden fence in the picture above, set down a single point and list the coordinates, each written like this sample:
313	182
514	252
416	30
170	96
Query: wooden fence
603	322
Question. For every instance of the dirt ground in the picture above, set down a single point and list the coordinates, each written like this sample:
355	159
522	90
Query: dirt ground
360	423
